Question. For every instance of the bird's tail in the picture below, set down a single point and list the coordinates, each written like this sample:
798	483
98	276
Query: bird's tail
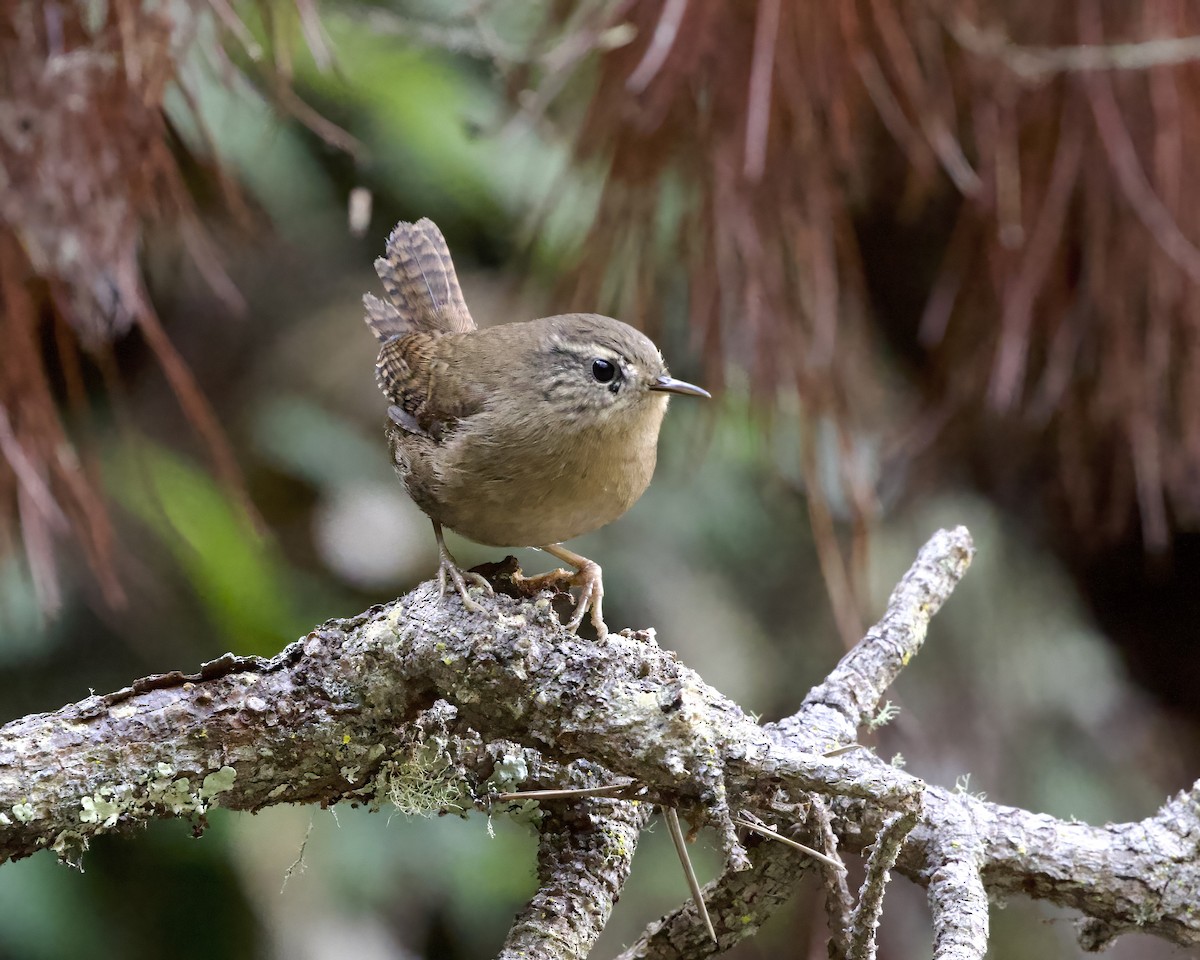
422	288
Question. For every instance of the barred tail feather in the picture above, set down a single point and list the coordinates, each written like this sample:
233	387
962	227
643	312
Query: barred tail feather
384	319
418	275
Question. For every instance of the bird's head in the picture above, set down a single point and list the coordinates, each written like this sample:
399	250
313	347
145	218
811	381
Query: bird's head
597	369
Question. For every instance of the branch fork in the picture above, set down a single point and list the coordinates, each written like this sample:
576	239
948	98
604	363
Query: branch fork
436	708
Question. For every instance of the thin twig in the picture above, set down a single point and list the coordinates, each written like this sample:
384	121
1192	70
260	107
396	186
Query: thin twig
606	790
224	12
1126	166
774	834
314	35
32	482
676	831
758	106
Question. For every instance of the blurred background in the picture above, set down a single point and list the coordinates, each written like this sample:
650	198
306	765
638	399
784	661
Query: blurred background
937	261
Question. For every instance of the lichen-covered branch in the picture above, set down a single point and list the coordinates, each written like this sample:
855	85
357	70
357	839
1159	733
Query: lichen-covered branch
423	704
585	852
864	921
833	710
959	904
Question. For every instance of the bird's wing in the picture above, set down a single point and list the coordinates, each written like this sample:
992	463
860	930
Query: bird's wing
413	372
422	287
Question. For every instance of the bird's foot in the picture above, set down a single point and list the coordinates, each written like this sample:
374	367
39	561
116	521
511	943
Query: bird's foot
590	581
459	577
589	578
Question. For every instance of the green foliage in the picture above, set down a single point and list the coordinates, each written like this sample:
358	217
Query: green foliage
244	583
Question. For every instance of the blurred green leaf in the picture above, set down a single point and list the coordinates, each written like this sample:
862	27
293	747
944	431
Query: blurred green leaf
237	573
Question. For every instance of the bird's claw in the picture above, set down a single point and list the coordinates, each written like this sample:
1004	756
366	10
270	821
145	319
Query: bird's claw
459	577
590	581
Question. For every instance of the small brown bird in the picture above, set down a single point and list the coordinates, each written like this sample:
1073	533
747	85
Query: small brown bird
518	435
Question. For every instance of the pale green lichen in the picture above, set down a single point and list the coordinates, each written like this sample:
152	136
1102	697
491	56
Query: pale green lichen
103	809
887	713
420	784
510	772
218	782
528	812
381	631
24	812
175	795
100	809
616	846
1147	914
962	786
178	796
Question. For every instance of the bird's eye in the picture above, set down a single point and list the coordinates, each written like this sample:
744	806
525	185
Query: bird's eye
603	370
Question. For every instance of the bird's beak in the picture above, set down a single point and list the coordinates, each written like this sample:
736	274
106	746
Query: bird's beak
671	385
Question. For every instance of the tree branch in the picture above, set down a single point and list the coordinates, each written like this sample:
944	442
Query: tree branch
585	852
420	703
864	921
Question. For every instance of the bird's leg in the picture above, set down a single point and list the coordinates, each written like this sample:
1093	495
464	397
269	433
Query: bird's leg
557	579
589	578
458	576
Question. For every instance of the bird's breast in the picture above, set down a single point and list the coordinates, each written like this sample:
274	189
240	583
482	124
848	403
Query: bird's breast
546	483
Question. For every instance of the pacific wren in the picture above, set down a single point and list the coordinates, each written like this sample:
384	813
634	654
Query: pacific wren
517	435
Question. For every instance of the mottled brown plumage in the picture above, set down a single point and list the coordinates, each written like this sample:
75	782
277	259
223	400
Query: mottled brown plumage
519	435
